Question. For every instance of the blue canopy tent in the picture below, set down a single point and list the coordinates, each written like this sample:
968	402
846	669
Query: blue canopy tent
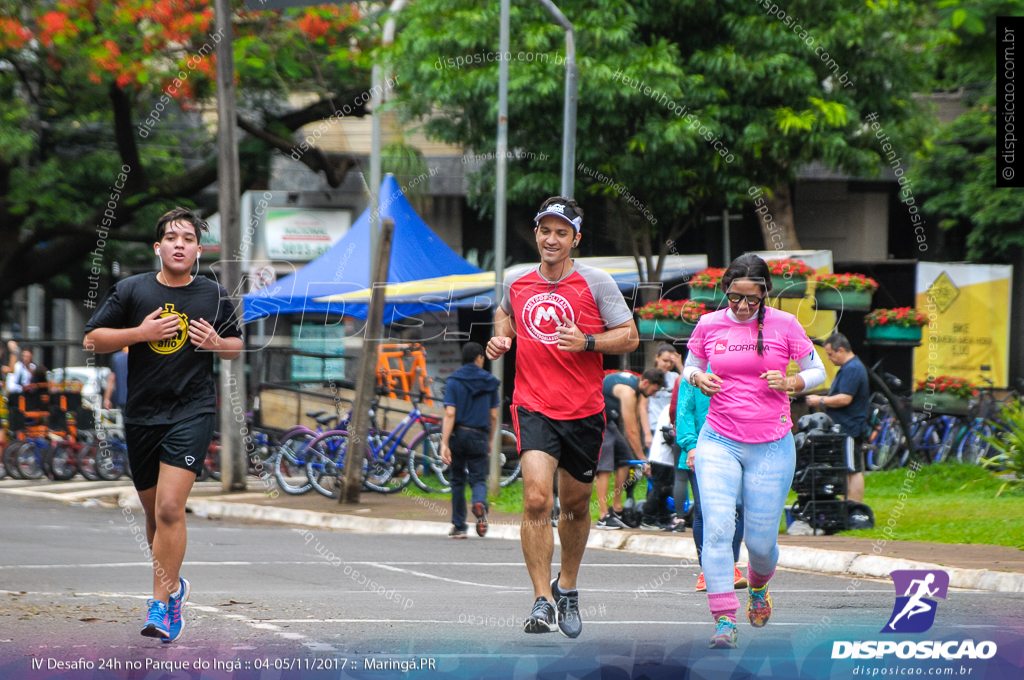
416	253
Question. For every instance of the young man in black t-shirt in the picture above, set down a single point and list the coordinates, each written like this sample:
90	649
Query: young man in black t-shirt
172	322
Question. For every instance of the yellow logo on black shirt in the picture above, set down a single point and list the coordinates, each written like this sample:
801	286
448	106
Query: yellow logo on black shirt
176	341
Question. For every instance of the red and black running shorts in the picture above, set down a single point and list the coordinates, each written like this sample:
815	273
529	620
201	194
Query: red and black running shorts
575	444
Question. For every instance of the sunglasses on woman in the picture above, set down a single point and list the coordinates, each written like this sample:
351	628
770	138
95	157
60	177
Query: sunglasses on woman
752	300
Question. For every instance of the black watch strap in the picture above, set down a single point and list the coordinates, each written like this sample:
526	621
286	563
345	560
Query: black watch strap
591	342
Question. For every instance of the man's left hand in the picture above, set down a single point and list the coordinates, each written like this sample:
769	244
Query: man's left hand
814	399
446	454
202	335
570	338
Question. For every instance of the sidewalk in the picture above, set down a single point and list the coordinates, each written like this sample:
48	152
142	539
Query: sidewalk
984	567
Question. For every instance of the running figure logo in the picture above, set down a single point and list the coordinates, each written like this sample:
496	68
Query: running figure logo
914	612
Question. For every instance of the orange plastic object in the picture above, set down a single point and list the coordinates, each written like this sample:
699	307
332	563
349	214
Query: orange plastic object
402	371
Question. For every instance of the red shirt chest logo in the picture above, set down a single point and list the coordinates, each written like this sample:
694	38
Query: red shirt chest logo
542	314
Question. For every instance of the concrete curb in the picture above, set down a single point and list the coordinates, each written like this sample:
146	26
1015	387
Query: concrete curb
845	563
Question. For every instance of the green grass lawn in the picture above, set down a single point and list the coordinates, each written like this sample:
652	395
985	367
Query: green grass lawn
945	503
511	498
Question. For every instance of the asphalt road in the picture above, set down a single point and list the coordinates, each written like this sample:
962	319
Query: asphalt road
73	583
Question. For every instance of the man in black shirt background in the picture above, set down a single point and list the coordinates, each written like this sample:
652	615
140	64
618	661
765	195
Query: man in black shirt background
172	322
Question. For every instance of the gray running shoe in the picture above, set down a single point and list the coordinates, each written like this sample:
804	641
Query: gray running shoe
567	606
543	618
610	522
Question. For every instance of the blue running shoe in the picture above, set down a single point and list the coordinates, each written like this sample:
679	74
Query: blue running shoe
156	624
175	619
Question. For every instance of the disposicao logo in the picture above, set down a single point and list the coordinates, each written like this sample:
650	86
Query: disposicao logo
914	612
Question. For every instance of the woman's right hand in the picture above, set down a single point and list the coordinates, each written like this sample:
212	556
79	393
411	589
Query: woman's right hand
708	383
691	456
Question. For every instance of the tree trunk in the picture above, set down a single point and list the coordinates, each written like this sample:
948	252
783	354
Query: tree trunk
781	228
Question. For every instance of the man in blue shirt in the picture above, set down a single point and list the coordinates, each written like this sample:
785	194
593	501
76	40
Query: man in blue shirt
847	404
470	417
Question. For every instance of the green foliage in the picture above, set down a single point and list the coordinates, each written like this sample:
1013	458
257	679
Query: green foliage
946	503
750	85
1009	447
89	88
957	170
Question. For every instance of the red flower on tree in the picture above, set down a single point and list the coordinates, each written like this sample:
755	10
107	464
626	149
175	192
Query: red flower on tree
12	34
55	26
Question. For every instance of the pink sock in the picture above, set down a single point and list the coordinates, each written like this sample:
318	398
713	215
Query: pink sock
755	579
723	604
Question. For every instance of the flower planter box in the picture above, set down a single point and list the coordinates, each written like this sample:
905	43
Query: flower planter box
901	334
940	402
658	329
712	297
843	300
793	287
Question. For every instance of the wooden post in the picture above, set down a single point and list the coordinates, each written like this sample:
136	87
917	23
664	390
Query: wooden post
234	465
350	482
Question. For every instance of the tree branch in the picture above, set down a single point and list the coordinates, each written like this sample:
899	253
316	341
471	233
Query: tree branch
125	137
335	166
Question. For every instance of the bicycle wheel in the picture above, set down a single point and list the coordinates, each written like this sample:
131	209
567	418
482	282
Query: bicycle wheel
85	461
386	471
949	448
61	462
426	468
511	465
973	446
928	442
30	459
11	460
110	461
290	463
325	460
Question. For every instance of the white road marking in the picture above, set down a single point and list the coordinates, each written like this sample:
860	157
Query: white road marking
437	578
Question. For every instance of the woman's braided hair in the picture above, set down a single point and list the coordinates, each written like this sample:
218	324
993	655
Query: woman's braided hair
750	266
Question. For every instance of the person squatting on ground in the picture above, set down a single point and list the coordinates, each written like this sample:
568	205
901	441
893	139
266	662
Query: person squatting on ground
745	450
171	411
565	315
848	403
471	409
691	414
622	393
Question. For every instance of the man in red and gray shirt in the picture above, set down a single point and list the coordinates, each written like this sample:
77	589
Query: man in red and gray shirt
565	315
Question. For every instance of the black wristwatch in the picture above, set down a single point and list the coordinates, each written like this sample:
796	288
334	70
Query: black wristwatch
589	343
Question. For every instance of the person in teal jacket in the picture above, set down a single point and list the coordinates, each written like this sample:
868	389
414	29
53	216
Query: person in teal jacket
691	412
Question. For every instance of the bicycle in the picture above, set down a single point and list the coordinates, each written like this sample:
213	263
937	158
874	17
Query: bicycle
290	462
386	469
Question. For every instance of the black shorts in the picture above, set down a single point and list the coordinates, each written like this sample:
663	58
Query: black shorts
855	454
182	444
615	451
575	444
